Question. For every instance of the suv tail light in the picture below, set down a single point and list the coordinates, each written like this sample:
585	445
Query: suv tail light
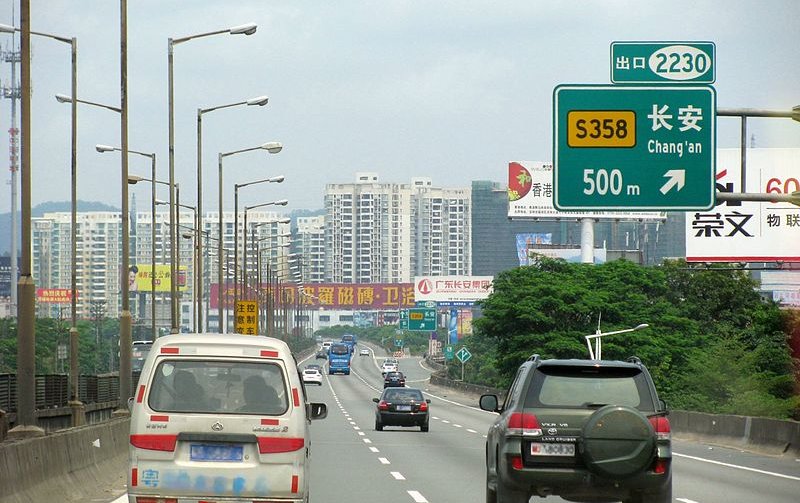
661	426
382	405
521	423
423	406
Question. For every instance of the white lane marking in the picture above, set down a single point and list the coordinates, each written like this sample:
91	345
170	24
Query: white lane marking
685	500
417	497
471	430
361	433
121	499
384	461
445	421
436	418
738	467
397	475
367	441
374	449
356	427
458	426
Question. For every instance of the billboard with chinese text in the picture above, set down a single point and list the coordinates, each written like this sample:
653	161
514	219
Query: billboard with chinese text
139	278
375	296
452	290
54	295
746	231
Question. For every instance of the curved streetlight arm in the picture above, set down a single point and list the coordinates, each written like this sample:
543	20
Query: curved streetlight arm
63	98
597	353
274	179
243	29
259	101
5	28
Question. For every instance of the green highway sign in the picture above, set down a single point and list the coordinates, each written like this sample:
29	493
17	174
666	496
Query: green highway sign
404	319
663	62
421	319
448	352
463	355
634	147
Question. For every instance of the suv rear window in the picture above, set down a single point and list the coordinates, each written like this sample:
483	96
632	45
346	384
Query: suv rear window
218	387
571	386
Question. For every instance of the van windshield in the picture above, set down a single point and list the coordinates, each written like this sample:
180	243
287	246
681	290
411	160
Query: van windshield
218	387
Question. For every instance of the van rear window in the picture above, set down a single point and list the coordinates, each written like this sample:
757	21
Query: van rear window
218	387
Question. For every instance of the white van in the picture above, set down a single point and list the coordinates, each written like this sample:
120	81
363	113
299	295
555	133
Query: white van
221	418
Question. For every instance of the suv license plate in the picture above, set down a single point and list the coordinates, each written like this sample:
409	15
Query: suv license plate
542	449
404	408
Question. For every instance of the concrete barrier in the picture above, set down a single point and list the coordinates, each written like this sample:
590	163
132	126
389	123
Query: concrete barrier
68	465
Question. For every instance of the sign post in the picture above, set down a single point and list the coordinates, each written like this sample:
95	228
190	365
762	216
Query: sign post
463	355
634	147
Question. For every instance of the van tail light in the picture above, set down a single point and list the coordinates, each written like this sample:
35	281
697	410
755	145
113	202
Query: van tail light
382	405
661	426
423	406
274	445
154	442
521	423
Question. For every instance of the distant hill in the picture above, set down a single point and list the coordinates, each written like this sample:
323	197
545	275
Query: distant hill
38	211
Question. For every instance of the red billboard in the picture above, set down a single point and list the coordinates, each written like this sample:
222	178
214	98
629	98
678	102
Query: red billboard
377	296
54	295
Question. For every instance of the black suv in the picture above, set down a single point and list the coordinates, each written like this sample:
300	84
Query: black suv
584	430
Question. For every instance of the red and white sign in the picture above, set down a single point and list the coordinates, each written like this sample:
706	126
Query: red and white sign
749	231
452	288
54	295
530	195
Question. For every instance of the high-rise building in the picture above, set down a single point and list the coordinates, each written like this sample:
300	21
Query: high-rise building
310	243
99	254
390	232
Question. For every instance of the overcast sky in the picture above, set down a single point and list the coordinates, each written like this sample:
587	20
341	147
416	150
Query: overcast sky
452	90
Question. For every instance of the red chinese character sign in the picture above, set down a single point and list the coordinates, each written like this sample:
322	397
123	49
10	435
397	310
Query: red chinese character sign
749	231
452	290
374	296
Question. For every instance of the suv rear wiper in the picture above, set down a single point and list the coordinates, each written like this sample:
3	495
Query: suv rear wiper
593	405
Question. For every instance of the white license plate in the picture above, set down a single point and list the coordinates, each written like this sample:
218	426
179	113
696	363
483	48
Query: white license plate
404	407
542	449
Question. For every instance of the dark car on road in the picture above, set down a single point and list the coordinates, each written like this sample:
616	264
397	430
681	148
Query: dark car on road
401	407
394	379
584	430
321	355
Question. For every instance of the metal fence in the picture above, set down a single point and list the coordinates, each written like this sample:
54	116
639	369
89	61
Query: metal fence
52	390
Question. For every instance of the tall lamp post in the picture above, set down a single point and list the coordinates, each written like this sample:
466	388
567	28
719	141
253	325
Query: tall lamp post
132	180
271	147
245	29
282	202
259	101
78	417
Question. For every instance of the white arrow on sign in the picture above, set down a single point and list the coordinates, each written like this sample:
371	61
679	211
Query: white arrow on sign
677	177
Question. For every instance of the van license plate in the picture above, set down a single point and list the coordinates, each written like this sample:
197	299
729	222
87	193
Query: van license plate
206	452
542	449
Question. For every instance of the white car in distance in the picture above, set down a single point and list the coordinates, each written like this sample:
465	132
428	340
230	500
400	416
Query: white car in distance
312	376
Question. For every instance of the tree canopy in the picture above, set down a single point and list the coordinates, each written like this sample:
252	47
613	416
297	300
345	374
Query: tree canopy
713	342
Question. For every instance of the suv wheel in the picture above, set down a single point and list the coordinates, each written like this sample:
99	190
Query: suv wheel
378	425
618	441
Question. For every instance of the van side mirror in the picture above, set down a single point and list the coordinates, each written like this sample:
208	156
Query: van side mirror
317	410
376	400
130	404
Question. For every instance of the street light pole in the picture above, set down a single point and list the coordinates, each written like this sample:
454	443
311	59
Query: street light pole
597	354
245	29
236	187
271	147
78	417
259	101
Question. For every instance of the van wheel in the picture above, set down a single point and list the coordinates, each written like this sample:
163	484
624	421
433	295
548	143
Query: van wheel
378	426
424	426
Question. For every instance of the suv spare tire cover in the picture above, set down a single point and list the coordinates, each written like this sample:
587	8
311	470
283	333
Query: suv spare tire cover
617	442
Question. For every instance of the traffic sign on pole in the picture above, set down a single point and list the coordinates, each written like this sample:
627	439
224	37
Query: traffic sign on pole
463	355
421	319
634	147
448	352
664	62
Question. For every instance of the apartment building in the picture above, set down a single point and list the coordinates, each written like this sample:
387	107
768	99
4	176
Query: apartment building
390	232
309	241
